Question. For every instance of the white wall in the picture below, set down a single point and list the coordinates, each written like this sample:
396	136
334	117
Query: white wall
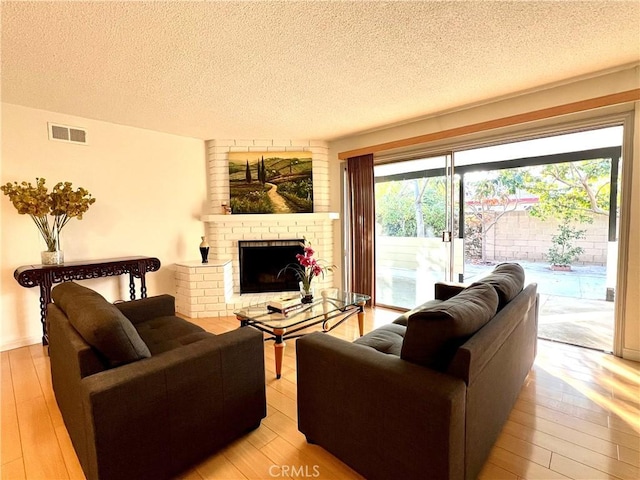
551	96
150	189
631	333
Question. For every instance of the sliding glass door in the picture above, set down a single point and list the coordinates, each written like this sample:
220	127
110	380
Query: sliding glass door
550	202
552	205
416	225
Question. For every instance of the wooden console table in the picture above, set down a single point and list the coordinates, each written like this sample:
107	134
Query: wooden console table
45	276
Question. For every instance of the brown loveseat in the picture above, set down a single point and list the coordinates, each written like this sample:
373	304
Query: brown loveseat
425	396
145	394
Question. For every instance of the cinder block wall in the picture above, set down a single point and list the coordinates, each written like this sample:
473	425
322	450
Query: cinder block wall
517	235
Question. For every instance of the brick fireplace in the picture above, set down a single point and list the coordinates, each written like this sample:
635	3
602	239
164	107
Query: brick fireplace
213	289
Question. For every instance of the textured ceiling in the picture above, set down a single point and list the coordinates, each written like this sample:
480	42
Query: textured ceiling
318	70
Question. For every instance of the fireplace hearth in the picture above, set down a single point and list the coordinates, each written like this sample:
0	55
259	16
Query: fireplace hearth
262	260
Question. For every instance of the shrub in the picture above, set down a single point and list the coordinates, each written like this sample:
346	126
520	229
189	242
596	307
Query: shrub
563	252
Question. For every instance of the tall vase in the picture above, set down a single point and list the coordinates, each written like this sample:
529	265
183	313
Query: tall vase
204	250
53	255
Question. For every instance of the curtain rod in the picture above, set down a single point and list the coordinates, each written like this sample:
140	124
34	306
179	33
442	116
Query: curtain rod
574	107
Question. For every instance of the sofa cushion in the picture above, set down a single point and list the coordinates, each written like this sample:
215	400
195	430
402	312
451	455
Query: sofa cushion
434	334
404	318
166	333
507	279
100	324
385	339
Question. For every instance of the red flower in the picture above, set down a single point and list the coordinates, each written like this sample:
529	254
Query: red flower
316	269
308	267
304	260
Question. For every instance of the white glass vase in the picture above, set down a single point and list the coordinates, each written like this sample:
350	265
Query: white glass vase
53	255
52	258
306	294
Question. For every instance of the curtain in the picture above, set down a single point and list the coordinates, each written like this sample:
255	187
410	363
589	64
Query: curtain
363	220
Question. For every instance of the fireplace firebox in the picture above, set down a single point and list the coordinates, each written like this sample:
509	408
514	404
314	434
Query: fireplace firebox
262	260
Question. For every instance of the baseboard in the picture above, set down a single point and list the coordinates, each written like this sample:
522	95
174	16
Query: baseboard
22	342
629	354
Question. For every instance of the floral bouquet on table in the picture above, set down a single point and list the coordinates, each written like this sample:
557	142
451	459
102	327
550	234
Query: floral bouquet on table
62	204
307	269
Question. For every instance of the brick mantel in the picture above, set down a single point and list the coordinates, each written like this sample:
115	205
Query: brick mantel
272	218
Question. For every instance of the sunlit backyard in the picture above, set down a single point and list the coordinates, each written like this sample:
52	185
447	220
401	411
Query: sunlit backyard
550	213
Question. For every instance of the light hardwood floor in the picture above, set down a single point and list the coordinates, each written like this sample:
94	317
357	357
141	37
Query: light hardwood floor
578	416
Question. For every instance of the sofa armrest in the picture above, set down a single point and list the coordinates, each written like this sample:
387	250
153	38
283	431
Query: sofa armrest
446	290
147	308
159	414
385	417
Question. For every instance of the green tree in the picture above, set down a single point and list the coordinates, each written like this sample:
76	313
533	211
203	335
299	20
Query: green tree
418	186
394	209
488	198
411	208
572	190
248	173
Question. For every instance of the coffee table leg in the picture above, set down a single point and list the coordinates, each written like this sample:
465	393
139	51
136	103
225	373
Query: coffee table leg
279	349
361	318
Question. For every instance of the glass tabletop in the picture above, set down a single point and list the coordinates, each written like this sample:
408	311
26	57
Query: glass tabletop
328	302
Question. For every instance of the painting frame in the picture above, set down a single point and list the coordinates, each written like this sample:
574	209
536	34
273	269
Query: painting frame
270	182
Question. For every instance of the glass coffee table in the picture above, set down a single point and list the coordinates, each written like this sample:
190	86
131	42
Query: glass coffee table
329	310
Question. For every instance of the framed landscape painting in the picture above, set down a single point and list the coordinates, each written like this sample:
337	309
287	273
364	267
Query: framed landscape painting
270	182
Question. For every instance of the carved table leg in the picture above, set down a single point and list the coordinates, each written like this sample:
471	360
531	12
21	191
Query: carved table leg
143	286
132	287
279	349
45	299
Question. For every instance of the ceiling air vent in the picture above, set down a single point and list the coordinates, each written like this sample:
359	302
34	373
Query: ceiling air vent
65	133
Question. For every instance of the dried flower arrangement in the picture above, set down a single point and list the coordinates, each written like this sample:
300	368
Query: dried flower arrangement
62	204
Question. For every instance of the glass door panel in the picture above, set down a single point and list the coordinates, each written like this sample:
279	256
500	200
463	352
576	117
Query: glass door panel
550	204
413	212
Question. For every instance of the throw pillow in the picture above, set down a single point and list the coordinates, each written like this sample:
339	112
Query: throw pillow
100	324
434	334
507	279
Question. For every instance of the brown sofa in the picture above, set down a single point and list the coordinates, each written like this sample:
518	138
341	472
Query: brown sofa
145	394
425	396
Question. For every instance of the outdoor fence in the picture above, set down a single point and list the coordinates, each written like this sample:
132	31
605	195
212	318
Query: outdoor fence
516	236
